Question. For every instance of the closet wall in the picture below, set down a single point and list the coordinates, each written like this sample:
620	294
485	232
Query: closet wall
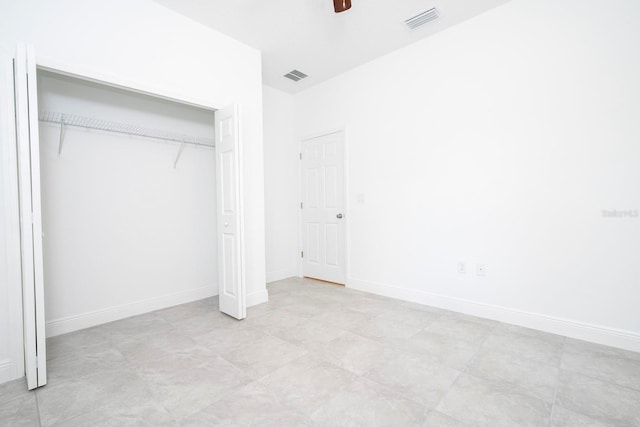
124	232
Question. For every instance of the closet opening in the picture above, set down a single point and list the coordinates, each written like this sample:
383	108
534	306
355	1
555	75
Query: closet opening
128	192
121	201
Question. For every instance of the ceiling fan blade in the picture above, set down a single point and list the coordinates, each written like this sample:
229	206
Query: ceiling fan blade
341	5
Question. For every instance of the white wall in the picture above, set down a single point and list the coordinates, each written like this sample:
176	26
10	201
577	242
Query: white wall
281	185
500	142
138	43
124	231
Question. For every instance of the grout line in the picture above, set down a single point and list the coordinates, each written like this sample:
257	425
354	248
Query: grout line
555	394
463	372
38	408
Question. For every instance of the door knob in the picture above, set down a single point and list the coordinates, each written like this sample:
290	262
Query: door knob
339	216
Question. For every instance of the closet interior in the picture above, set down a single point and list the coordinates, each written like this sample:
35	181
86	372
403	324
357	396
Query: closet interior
128	202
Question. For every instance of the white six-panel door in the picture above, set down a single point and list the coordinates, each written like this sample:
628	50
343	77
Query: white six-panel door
30	216
229	205
323	217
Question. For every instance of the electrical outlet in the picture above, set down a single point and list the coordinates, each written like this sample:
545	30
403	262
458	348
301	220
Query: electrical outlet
481	270
462	268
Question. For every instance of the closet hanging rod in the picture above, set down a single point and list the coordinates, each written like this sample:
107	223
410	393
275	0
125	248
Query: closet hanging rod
122	128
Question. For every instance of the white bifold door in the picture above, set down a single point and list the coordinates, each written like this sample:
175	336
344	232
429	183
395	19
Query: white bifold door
229	205
323	227
28	156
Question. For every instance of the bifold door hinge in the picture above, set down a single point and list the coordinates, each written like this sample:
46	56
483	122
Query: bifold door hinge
301	254
300	156
301	205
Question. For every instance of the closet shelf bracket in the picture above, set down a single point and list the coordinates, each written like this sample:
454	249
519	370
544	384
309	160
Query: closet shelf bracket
62	131
175	163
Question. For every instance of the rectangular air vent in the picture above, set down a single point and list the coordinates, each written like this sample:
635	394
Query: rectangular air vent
422	18
295	75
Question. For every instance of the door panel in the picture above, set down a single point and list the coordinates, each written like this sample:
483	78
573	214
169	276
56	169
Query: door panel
323	236
228	185
30	216
331	243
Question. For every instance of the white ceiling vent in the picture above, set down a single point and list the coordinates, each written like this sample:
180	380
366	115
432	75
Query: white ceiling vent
295	75
422	18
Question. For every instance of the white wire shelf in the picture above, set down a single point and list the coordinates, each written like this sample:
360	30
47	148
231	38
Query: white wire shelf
123	128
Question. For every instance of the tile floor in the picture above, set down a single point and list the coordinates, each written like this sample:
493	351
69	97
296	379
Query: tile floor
319	354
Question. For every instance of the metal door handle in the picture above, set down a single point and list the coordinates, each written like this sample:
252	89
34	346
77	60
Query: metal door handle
339	216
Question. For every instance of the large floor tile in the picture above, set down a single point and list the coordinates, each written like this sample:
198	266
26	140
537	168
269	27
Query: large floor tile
481	402
462	327
20	412
522	342
155	347
383	330
372	305
602	362
562	417
86	363
276	320
224	340
341	318
352	352
414	376
59	402
136	411
264	356
363	403
306	383
445	349
252	405
13	389
87	340
137	328
530	377
204	323
189	310
309	334
191	390
410	316
172	362
606	402
438	419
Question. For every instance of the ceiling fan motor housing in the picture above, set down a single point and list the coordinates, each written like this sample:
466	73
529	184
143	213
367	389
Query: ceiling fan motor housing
341	5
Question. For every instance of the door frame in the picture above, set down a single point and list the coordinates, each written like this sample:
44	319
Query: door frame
347	213
11	226
14	263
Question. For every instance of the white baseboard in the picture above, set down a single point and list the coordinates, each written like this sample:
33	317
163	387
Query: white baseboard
584	331
8	371
98	317
274	276
256	298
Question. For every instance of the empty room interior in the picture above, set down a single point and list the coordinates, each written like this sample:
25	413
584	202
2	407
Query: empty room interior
319	212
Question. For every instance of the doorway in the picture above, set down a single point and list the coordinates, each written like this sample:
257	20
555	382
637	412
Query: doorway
323	207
